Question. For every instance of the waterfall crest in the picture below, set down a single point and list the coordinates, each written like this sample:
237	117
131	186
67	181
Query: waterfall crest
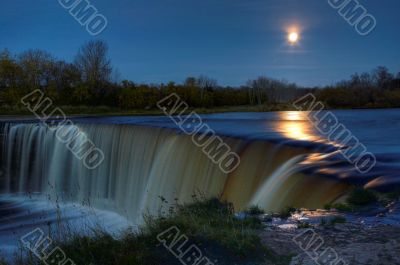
144	164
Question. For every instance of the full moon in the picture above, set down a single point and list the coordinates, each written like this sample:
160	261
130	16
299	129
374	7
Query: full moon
293	37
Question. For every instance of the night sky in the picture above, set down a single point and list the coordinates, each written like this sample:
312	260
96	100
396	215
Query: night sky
231	40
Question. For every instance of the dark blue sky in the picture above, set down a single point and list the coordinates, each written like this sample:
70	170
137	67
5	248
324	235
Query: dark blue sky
230	40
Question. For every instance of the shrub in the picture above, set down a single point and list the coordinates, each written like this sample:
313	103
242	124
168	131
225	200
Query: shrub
254	210
360	197
287	212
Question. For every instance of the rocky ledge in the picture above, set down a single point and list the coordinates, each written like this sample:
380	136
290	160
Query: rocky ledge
369	237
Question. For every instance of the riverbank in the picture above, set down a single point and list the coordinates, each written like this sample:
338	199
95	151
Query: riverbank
365	230
210	231
88	111
355	244
109	111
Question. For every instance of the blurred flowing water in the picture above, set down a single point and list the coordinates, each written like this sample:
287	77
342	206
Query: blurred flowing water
284	161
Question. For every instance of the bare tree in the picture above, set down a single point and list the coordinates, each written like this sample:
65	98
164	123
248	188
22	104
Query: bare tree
92	60
251	92
206	84
366	80
382	77
266	89
259	87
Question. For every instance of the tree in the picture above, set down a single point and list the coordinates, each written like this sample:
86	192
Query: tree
10	71
382	77
190	82
355	81
67	80
36	66
127	84
396	82
366	80
93	62
259	88
274	91
206	84
81	94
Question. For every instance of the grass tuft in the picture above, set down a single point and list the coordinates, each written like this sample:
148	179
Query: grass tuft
254	210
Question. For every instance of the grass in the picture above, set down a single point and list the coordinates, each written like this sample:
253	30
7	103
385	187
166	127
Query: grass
209	224
254	210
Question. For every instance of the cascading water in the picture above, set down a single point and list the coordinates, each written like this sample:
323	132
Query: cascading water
143	164
149	164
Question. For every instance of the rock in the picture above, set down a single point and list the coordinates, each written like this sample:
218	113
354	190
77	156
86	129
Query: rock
266	218
356	244
381	215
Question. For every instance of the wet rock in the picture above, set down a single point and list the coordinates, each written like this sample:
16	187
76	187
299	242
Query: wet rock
367	238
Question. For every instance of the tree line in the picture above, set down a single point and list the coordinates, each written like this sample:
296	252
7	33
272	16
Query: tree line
378	89
91	80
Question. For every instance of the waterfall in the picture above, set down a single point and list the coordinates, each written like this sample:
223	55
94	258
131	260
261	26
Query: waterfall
144	164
